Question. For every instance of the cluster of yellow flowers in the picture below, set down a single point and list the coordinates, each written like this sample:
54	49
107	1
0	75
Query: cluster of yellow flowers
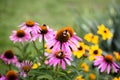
93	50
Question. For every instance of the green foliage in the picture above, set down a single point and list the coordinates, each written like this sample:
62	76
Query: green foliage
115	17
111	20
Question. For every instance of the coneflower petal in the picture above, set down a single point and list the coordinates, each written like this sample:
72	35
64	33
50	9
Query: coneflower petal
114	68
63	64
108	69
104	67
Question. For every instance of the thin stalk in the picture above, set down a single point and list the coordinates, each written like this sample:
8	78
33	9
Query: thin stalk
9	66
79	64
43	41
28	78
22	50
34	44
56	71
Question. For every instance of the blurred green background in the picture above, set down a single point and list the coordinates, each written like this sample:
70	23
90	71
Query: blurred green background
55	13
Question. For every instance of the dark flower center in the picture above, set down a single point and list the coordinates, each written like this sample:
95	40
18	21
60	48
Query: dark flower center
20	33
105	31
9	54
30	23
60	55
44	29
92	37
80	48
26	68
95	52
11	75
62	35
70	30
108	58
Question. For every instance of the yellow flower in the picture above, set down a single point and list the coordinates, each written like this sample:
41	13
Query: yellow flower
91	38
104	32
47	49
95	51
35	65
85	67
79	78
92	76
117	56
116	78
81	50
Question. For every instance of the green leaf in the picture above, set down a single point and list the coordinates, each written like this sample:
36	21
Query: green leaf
25	47
61	73
45	76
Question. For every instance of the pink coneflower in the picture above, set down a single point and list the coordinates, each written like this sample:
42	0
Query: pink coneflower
11	75
8	57
106	63
25	67
20	36
45	31
2	77
64	39
30	26
59	58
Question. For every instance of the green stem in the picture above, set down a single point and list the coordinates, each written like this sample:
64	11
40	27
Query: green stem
28	78
79	64
56	71
35	46
9	66
43	44
43	41
22	50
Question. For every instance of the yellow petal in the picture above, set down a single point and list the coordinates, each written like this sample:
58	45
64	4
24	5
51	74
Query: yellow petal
35	66
91	58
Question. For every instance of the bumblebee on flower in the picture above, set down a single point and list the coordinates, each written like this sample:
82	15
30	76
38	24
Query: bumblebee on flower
64	39
43	32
